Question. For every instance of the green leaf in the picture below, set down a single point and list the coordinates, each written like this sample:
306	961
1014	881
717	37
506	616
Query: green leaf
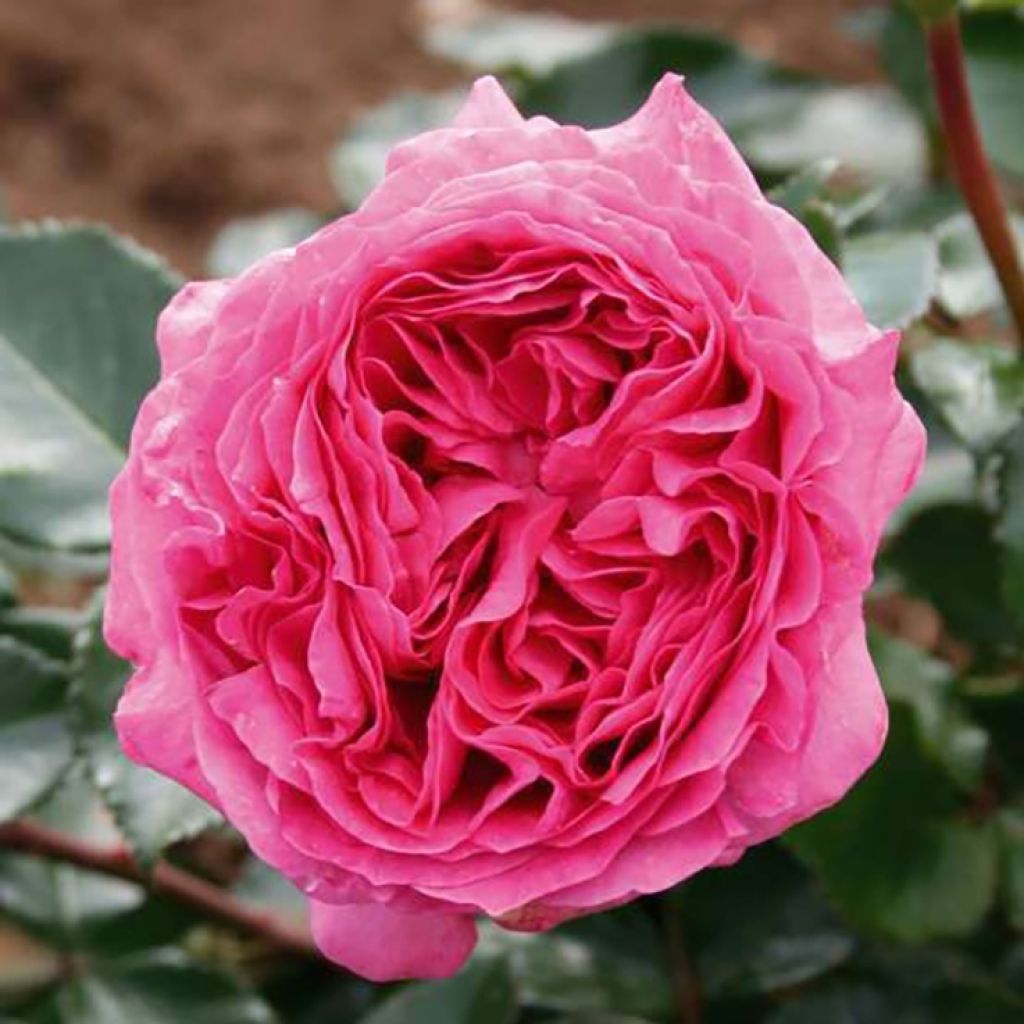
152	811
948	475
905	59
800	188
870	130
908	990
1010	524
158	987
997	704
307	994
502	42
976	1004
610	962
596	1018
802	195
610	85
948	555
914	208
967	283
103	925
853	206
893	274
241	242
931	10
76	910
760	927
480	992
994	45
35	741
925	685
1011	843
893	856
84	301
977	388
992	5
821	221
781	121
838	1004
50	630
8	598
65	906
357	162
77	311
1011	968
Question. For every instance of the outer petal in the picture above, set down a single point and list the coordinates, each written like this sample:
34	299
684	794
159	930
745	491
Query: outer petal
650	864
851	721
488	106
889	451
792	278
384	945
488	110
673	123
187	322
154	716
154	724
845	735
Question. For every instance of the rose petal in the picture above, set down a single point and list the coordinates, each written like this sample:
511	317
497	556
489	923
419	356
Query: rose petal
673	123
386	945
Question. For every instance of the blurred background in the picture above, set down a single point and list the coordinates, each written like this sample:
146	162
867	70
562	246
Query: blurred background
166	118
213	131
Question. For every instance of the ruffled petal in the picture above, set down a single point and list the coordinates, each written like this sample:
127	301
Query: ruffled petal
672	122
186	323
488	106
154	724
500	548
851	717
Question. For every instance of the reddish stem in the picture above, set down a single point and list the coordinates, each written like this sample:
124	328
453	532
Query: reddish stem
682	972
164	880
973	171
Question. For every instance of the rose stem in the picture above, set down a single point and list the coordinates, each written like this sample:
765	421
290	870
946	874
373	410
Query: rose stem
164	880
973	171
683	974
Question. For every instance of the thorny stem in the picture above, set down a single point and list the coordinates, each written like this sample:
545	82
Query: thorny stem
973	171
164	880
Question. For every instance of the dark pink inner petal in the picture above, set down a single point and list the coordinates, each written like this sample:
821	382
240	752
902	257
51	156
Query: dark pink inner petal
528	571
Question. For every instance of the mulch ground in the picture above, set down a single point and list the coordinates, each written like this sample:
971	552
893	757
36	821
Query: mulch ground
167	117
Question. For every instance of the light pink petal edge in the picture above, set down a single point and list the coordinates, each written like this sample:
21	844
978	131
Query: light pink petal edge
382	944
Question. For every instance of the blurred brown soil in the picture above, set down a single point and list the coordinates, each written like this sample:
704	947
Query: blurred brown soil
167	117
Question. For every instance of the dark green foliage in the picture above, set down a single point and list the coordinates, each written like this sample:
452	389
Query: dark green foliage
153	812
480	992
35	741
77	310
949	555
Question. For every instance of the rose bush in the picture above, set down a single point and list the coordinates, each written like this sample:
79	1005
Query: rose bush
500	549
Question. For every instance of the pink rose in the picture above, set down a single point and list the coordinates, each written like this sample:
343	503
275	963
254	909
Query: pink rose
500	549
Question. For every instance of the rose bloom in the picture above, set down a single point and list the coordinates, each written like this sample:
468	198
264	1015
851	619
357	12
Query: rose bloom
500	549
